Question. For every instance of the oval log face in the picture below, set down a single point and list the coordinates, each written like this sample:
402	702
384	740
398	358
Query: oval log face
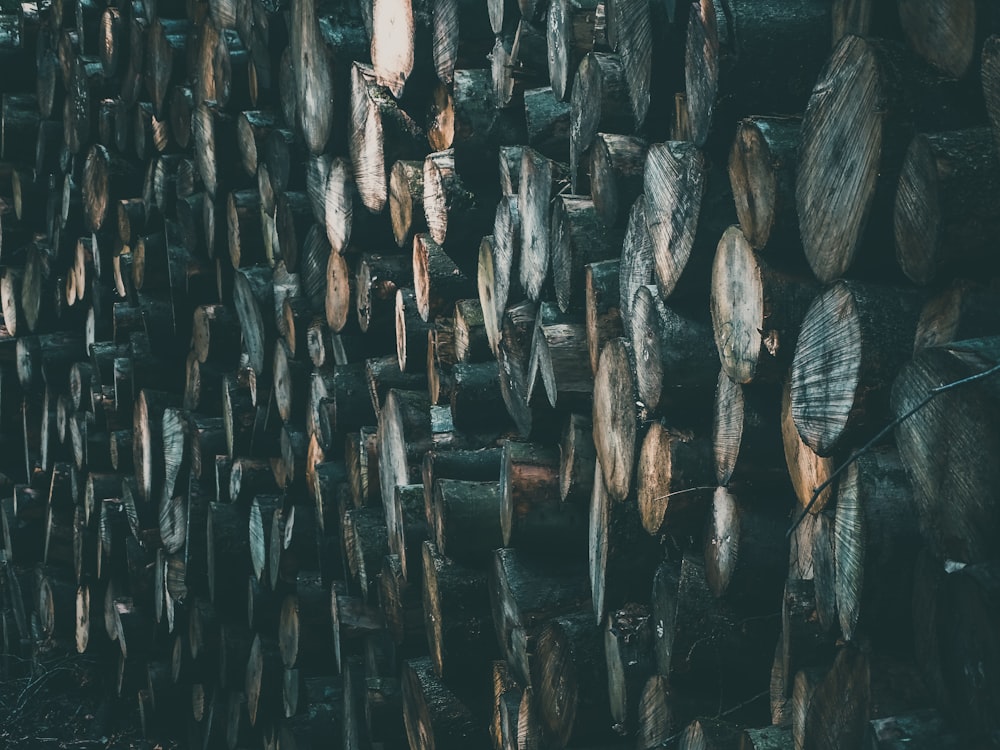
615	417
737	306
826	369
839	160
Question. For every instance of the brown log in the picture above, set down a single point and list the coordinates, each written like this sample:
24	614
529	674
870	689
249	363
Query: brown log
457	615
858	331
559	357
675	355
757	311
462	116
401	602
804	643
378	279
180	113
570	36
834	226
253	297
571	680
617	416
687	206
806	469
578	236
745	550
381	134
762	165
433	714
106	178
623	556
437	281
467	465
470	339
406	200
600	104
824	571
525	592
513	353
729	62
533	515
366	542
674	479
577	459
455	215
838	711
943	211
964	529
746	436
873	495
655	712
548	122
963	310
440	359
486	284
411	332
927	727
949	39
616	174
603	318
503	725
635	268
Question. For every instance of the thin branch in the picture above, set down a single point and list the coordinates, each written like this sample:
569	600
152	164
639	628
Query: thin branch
728	712
882	433
682	492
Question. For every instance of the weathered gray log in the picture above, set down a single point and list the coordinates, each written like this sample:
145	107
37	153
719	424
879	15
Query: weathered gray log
850	347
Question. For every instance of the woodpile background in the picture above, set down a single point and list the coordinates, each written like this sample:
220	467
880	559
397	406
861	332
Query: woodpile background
451	373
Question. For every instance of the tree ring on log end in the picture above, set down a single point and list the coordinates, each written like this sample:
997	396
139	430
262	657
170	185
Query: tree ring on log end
826	369
738	309
615	427
839	158
917	218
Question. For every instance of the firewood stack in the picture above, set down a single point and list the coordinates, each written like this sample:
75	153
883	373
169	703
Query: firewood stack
450	373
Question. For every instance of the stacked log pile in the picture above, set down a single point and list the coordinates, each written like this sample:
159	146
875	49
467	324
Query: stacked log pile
470	373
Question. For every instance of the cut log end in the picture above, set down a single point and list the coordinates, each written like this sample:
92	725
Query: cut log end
737	306
840	158
826	369
615	419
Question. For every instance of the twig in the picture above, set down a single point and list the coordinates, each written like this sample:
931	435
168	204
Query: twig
882	433
728	712
682	492
33	685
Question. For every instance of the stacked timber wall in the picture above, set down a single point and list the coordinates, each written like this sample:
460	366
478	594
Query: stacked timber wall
481	373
